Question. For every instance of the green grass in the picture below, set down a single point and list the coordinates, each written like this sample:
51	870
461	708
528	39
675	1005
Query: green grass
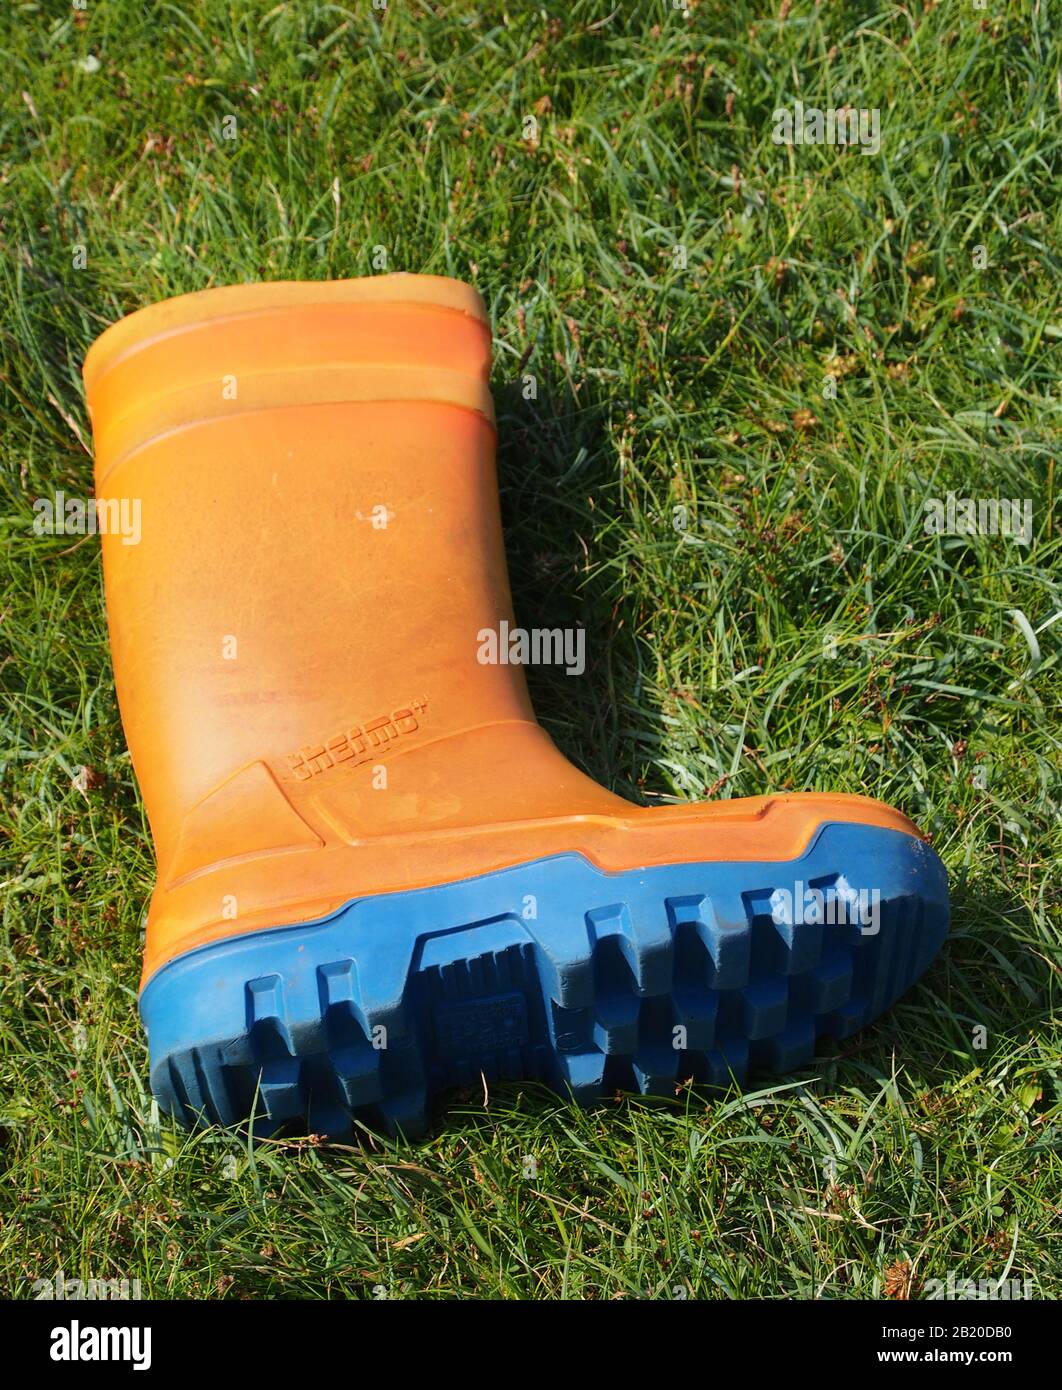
803	632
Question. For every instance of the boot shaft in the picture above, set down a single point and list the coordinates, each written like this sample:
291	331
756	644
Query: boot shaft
320	540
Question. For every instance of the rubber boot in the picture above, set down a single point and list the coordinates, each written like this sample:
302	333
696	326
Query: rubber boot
377	876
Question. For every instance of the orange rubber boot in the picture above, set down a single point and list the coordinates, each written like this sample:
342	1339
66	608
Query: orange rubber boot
377	876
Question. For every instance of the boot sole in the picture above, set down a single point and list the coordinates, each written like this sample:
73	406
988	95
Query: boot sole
552	970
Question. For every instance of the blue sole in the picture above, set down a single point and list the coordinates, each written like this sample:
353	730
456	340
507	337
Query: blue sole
551	970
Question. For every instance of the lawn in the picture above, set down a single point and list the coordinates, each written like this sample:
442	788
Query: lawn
730	374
